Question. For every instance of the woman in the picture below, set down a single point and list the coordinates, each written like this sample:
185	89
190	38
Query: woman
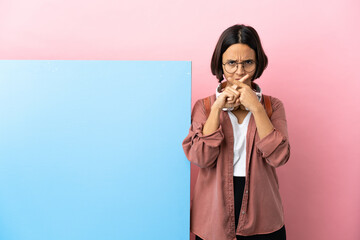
237	147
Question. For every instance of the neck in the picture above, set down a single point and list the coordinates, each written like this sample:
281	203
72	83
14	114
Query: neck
240	108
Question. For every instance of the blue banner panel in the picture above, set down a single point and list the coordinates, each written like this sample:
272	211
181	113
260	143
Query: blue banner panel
92	150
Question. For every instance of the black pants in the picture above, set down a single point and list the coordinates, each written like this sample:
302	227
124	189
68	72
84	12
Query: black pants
239	184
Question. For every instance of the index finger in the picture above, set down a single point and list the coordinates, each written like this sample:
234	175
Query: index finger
240	83
243	79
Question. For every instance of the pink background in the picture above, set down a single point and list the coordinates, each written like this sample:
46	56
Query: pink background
313	49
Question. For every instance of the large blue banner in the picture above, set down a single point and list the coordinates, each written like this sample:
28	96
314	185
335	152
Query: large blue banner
92	150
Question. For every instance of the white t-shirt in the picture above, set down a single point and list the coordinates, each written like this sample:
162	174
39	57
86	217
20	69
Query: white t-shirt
240	131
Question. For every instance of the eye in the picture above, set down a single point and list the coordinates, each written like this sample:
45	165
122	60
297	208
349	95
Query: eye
249	62
231	63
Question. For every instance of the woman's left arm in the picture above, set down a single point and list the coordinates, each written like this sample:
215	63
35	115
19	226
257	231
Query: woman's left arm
274	144
262	121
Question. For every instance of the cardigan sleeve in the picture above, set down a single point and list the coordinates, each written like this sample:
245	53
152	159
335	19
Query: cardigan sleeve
275	147
202	150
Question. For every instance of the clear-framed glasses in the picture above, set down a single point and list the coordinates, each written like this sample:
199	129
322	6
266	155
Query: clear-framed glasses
232	66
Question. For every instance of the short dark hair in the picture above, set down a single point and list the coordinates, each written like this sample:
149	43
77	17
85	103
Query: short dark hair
238	34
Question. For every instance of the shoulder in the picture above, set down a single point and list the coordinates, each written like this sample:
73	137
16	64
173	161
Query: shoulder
277	108
212	97
276	103
200	102
198	110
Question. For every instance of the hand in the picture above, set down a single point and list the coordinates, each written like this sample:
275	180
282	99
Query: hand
248	97
230	97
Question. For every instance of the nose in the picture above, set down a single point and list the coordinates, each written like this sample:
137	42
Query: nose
240	70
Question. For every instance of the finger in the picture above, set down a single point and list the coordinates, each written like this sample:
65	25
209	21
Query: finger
235	92
241	85
235	87
226	94
230	90
243	79
230	99
230	96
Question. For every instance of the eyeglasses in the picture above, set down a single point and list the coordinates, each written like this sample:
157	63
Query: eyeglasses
232	66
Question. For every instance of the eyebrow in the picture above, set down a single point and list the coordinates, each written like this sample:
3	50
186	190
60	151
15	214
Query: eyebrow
242	61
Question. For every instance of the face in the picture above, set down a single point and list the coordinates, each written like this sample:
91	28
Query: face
238	52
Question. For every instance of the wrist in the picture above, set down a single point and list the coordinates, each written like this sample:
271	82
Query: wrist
258	109
215	108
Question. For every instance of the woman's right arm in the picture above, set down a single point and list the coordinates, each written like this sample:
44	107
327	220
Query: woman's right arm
202	144
213	122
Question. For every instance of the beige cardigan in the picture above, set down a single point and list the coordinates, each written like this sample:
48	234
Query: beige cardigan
212	206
